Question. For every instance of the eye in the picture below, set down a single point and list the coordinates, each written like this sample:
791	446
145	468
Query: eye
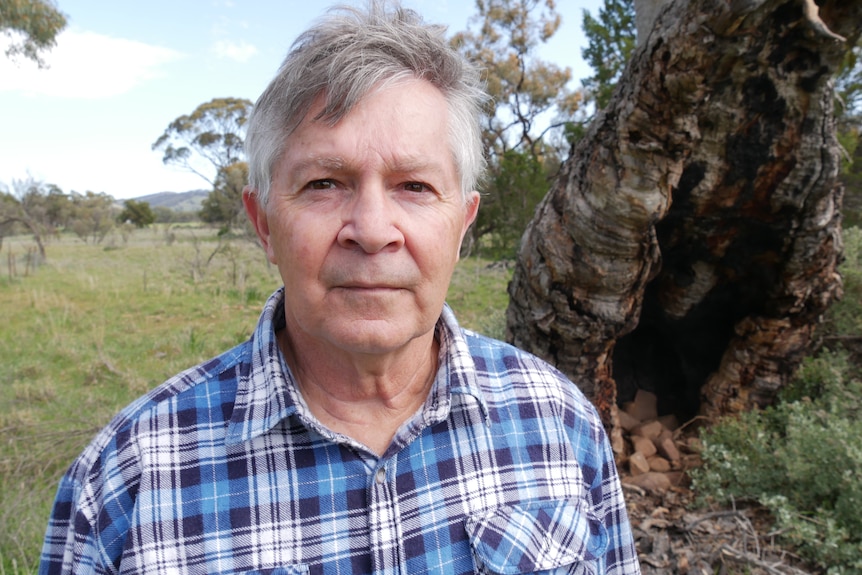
416	187
320	185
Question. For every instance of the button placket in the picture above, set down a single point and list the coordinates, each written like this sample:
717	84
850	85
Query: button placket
384	522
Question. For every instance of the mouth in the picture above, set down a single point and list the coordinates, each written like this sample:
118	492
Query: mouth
369	281
370	288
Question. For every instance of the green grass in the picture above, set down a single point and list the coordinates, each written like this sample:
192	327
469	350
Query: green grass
478	296
98	325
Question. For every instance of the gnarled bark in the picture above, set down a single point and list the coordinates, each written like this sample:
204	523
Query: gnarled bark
690	244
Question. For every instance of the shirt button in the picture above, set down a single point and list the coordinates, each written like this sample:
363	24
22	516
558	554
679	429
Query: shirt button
380	478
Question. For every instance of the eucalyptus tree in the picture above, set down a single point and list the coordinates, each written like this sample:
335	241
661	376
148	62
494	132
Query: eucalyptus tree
207	140
31	26
690	243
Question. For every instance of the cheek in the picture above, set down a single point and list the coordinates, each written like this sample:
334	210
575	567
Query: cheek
289	249
449	235
300	246
437	250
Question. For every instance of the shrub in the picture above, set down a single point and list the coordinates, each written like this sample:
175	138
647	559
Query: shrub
802	458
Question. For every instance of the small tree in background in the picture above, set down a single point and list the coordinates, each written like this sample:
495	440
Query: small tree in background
224	204
29	205
526	116
212	137
519	181
93	216
138	213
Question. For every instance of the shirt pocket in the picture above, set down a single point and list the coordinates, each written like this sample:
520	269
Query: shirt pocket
537	536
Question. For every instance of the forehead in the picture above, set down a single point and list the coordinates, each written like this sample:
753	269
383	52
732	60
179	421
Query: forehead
404	123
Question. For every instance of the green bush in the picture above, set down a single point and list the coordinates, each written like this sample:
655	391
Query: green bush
802	458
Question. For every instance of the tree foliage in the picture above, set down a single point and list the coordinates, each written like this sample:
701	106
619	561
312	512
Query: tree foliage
848	87
32	26
611	39
224	204
33	206
138	213
851	177
530	104
519	181
210	137
44	211
524	90
92	216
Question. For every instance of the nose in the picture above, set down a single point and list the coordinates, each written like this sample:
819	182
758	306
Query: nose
370	221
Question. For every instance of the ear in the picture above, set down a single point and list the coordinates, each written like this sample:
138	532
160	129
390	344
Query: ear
258	217
472	210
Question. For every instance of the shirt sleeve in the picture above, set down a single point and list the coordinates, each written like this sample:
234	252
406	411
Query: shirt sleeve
607	499
69	546
90	517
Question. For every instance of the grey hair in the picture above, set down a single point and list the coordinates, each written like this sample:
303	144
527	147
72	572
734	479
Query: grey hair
345	56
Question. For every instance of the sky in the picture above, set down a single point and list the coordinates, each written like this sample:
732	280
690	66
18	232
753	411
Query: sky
122	70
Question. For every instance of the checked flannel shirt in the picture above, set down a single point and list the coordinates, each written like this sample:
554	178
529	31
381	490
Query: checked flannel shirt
222	469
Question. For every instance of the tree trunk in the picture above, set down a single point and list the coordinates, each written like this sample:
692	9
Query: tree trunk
33	228
689	245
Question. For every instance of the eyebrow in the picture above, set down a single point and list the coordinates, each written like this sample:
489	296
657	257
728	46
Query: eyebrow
414	164
407	165
325	162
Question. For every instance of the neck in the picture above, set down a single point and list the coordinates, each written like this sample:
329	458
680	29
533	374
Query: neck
366	398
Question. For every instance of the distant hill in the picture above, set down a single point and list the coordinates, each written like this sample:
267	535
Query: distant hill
176	201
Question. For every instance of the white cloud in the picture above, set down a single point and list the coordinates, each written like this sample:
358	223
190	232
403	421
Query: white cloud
87	65
236	51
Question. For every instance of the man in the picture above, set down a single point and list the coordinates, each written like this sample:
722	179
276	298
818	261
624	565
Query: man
359	430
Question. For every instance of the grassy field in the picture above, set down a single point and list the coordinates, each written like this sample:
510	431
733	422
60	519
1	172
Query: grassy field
98	325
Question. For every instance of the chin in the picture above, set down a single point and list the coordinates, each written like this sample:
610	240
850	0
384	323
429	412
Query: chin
376	337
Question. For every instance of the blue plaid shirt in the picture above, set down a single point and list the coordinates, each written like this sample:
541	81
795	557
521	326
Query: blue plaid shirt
223	469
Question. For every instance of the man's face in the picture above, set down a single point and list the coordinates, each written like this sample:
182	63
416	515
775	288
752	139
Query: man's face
365	221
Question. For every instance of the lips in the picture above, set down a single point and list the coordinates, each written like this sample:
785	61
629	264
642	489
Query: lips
369	278
370	286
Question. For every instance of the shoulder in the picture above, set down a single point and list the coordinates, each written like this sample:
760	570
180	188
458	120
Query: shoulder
495	356
498	360
507	373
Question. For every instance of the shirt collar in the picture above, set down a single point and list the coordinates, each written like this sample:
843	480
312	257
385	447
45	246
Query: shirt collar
266	388
263	392
456	373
